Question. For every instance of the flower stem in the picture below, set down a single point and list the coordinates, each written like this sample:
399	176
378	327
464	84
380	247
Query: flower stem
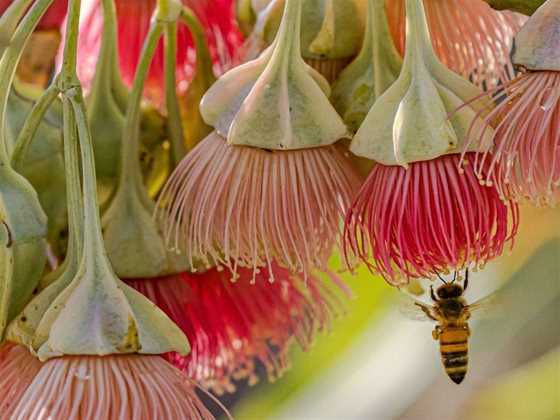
76	130
172	103
73	185
93	239
73	96
418	41
8	66
10	19
68	75
31	124
107	73
130	159
203	57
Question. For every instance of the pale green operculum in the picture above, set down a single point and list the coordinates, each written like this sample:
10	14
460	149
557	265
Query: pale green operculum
422	115
24	328
275	101
376	67
106	105
43	165
133	241
97	314
23	248
106	119
325	40
536	44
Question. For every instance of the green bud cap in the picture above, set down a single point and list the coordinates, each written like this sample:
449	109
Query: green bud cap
133	240
134	243
92	312
42	162
117	319
421	116
375	68
536	46
23	227
107	105
276	101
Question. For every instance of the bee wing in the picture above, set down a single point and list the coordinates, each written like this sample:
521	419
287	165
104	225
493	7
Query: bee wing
413	309
487	306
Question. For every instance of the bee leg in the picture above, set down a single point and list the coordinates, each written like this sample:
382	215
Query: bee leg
468	329
426	311
432	294
436	332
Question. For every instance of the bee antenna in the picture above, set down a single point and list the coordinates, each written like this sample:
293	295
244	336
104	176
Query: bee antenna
454	276
441	278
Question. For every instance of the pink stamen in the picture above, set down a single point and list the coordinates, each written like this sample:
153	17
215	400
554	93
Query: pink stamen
243	207
430	218
17	370
257	323
119	387
524	163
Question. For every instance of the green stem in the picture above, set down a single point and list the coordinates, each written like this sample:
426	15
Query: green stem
72	91
108	64
10	19
172	103
130	159
8	66
32	123
73	185
68	75
93	238
67	82
527	7
418	41
203	57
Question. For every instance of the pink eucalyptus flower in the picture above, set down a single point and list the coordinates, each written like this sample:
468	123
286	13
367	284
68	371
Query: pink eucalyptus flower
133	22
18	368
55	16
468	36
245	207
233	327
119	387
430	218
525	161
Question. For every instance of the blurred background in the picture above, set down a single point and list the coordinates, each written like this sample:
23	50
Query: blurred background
378	364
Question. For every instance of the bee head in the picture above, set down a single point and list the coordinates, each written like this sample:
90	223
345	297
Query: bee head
450	291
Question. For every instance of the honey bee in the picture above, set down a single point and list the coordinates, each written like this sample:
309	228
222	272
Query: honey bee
451	313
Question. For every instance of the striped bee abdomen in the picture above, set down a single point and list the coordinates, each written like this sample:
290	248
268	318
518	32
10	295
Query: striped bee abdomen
454	352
